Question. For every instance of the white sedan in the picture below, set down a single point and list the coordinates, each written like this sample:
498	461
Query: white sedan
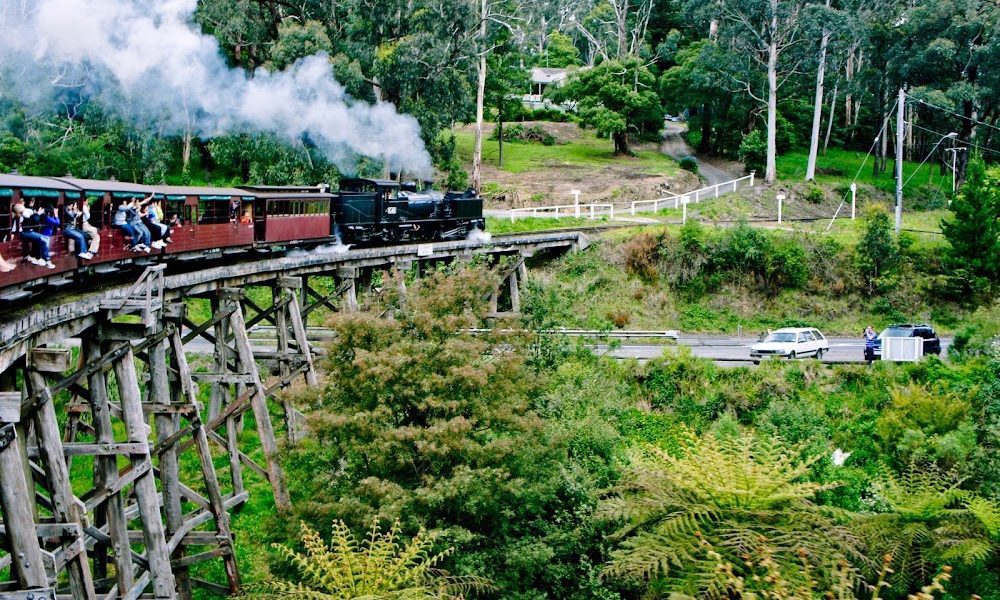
790	343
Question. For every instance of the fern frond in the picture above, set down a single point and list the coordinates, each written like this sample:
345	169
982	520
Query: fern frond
987	512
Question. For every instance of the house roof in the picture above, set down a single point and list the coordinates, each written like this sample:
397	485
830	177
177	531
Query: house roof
548	75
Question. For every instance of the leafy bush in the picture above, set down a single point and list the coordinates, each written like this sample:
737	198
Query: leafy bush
815	194
876	253
519	133
547	114
921	426
440	431
753	151
689	163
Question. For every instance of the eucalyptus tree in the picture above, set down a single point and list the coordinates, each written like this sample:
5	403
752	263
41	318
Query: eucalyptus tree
757	33
495	20
949	46
818	101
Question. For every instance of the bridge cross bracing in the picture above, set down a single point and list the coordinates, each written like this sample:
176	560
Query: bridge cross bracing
126	410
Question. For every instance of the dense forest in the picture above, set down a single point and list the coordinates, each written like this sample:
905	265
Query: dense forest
756	78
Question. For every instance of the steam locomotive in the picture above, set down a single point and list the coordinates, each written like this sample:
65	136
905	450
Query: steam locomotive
209	221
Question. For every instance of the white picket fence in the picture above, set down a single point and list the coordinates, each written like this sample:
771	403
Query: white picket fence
711	191
592	211
565	210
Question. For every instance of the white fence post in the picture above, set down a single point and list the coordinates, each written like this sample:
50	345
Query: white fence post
854	198
576	201
752	173
781	198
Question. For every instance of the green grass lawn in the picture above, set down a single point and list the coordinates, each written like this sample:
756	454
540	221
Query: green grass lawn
500	225
587	151
840	167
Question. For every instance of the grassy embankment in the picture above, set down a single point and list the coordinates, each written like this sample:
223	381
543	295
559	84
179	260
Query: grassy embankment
594	290
584	150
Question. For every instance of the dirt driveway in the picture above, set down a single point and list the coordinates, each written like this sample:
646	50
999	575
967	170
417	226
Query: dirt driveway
619	181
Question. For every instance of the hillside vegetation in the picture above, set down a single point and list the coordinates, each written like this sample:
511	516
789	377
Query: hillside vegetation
553	473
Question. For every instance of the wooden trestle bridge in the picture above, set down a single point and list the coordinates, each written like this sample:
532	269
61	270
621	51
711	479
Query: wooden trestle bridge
137	528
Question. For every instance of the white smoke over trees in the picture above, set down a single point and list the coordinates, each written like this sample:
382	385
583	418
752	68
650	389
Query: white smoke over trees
146	58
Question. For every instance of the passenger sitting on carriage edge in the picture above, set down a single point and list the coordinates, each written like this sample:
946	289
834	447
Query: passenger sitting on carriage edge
49	225
121	222
91	232
26	226
135	220
151	219
71	231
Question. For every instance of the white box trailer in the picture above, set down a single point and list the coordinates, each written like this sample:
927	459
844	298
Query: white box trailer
902	349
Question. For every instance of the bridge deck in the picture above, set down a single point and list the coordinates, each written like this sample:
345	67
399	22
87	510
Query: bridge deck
65	315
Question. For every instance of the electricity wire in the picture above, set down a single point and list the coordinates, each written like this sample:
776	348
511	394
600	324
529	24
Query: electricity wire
968	143
951	112
878	137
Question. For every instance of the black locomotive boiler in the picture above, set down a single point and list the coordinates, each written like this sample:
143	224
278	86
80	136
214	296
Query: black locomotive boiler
383	211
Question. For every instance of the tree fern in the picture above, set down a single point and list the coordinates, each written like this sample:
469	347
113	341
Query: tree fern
928	520
379	568
739	496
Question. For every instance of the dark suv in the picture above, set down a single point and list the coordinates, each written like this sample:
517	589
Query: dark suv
932	343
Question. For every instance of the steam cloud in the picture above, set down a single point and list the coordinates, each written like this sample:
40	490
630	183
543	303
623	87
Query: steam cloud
146	59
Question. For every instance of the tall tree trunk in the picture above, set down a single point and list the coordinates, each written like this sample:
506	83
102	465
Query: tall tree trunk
477	155
965	134
817	105
849	98
500	132
833	112
705	143
771	170
186	152
859	64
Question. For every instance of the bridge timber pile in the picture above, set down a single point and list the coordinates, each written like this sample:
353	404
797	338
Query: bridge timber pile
142	530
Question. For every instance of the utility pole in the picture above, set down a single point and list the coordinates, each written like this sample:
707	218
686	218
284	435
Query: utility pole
899	159
954	160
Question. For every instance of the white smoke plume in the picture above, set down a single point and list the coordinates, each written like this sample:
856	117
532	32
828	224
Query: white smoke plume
147	59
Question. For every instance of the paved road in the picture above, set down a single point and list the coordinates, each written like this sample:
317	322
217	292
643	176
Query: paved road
675	147
727	350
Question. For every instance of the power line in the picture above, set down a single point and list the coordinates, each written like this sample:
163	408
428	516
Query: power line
878	137
951	112
917	170
967	143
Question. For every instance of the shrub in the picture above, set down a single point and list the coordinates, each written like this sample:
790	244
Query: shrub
641	253
619	318
753	151
815	194
519	133
689	163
